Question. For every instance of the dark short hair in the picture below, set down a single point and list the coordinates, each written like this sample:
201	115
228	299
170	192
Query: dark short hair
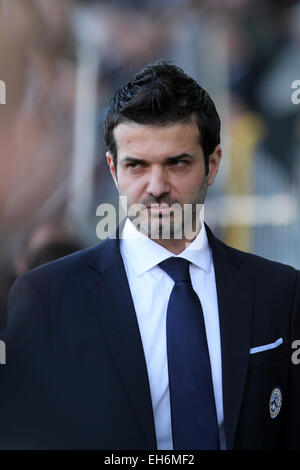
162	94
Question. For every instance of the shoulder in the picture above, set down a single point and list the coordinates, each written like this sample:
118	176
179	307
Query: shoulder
55	286
70	265
69	272
263	272
251	261
235	256
275	286
259	263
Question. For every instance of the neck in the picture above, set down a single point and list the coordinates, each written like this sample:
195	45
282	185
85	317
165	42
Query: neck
177	245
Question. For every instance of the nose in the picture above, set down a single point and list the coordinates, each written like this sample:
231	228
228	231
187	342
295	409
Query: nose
158	183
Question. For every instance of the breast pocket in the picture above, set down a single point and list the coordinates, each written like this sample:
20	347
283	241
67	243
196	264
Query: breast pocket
261	357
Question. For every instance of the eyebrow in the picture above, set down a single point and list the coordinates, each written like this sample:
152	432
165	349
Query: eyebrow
173	158
179	157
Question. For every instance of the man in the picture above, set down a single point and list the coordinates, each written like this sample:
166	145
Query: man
162	337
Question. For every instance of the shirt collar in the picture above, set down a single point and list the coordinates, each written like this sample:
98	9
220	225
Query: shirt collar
143	254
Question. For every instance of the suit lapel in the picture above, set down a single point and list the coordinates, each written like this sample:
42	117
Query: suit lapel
235	299
113	302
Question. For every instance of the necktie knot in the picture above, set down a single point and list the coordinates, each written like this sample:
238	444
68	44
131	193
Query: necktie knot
176	268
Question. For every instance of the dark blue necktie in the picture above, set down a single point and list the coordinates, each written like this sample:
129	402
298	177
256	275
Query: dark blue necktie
193	411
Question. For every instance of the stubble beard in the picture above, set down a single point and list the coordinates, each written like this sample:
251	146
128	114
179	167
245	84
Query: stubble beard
185	222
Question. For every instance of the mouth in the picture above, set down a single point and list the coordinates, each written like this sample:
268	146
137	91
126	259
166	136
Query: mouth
158	209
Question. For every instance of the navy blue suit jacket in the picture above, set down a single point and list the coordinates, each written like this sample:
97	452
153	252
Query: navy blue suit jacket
75	375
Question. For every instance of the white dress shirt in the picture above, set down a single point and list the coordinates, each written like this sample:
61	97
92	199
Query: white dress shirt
150	288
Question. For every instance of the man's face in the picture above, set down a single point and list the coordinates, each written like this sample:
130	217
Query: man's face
159	166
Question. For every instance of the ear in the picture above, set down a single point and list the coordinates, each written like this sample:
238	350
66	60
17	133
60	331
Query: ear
112	168
214	164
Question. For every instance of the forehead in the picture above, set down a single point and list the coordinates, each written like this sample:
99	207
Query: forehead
139	140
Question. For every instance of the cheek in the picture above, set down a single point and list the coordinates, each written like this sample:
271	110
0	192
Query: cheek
189	186
132	188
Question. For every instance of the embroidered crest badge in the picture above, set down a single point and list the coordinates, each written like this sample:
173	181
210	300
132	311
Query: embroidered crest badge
275	402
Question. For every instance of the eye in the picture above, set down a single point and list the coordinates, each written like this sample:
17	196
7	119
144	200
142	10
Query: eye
133	165
179	163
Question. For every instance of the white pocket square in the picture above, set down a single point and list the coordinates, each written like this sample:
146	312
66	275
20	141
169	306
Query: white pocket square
265	347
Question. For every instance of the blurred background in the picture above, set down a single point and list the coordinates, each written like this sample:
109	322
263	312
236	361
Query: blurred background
60	63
